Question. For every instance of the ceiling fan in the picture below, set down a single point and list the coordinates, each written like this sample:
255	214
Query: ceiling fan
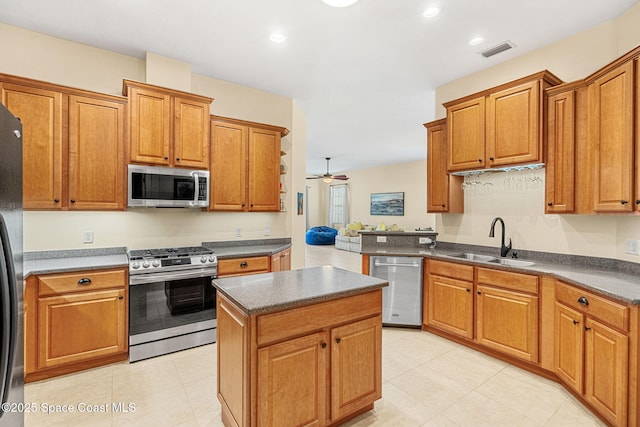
327	177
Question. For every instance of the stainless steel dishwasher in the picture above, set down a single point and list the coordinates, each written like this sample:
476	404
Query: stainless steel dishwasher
402	299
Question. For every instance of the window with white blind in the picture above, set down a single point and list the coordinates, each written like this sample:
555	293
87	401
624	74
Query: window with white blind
338	206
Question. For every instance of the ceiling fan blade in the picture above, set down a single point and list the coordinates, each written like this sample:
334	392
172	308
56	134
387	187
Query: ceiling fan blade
340	177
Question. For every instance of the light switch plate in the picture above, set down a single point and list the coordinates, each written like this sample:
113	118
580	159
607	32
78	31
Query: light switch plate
87	237
631	247
238	231
267	230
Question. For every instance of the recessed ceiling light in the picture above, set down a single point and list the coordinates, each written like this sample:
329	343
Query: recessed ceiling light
476	41
340	3
431	12
277	37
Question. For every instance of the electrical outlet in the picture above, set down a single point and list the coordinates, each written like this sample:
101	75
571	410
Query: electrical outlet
631	247
238	231
424	240
267	230
381	239
87	237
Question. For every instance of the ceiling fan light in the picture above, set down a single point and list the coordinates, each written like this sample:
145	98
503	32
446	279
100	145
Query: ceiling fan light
340	3
327	180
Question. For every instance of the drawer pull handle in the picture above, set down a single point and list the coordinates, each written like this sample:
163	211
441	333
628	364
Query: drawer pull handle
586	328
243	264
84	281
575	322
338	340
583	301
323	345
624	202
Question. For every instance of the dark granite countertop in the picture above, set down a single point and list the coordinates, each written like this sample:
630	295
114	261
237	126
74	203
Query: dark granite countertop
267	292
617	279
45	262
248	248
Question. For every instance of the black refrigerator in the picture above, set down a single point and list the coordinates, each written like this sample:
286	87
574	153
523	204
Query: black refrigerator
11	273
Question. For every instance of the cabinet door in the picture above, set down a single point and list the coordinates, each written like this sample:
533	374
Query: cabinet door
281	261
356	366
466	135
228	167
96	154
611	130
513	126
606	371
292	382
150	126
569	346
40	112
508	322
72	328
560	167
637	121
264	170
191	136
450	305
444	193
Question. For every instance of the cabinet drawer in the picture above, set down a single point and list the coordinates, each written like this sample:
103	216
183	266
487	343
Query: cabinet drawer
607	311
451	269
81	281
508	280
239	266
274	327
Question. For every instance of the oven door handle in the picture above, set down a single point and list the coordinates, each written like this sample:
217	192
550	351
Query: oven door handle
165	277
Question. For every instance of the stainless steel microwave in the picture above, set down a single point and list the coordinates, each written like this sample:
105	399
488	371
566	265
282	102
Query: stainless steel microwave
160	187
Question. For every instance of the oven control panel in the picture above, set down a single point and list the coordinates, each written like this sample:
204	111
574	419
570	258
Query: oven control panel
154	264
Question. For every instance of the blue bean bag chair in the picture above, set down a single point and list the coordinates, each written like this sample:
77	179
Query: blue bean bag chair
321	236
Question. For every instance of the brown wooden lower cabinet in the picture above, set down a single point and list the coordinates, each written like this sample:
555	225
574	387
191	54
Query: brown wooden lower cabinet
281	261
318	364
74	321
593	347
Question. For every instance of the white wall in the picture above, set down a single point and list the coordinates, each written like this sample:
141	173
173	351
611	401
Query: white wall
29	54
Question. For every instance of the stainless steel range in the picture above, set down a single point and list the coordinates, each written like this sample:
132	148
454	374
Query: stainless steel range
172	304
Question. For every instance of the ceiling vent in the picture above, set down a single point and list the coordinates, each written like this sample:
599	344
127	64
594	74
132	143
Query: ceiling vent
497	49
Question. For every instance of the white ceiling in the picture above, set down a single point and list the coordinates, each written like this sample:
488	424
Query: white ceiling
364	75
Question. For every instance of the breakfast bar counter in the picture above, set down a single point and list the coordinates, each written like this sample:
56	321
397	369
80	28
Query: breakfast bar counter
311	336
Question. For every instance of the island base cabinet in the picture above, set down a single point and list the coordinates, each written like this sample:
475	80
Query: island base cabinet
356	364
324	357
293	371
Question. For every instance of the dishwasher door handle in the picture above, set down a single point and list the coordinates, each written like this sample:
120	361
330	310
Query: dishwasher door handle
385	264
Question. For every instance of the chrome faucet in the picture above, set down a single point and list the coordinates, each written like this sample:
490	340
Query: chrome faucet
504	250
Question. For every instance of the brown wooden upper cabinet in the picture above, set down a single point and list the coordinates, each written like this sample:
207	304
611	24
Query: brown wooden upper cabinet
245	165
611	130
73	145
498	127
444	191
167	127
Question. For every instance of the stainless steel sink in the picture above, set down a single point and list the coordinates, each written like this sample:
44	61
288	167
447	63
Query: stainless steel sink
473	257
511	262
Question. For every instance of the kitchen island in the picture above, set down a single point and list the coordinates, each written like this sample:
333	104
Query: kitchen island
298	347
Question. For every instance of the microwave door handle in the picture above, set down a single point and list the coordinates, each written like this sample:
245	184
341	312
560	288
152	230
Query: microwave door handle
197	187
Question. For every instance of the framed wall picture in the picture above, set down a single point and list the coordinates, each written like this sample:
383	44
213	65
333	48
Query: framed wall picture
391	204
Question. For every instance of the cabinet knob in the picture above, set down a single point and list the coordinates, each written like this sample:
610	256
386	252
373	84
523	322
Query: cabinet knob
120	297
444	206
338	340
624	202
575	322
479	293
637	202
586	328
177	159
583	301
243	264
479	160
56	200
549	204
84	281
323	345
73	200
468	290
491	158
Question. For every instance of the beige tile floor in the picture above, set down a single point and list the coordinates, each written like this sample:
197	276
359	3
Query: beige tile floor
427	381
